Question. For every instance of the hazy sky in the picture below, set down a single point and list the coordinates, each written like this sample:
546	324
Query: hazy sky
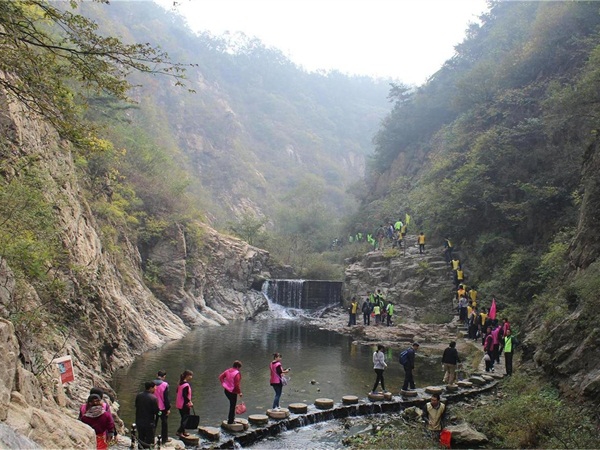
404	39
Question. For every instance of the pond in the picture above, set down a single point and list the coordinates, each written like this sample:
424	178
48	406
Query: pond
324	364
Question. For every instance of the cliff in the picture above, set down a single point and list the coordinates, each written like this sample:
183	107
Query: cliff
102	312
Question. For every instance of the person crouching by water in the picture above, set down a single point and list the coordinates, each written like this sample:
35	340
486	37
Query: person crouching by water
277	372
379	366
230	380
101	420
183	400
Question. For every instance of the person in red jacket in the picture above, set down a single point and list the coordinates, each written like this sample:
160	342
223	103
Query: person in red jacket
101	420
230	380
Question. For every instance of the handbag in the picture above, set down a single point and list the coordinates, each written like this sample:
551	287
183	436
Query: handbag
241	408
192	421
284	380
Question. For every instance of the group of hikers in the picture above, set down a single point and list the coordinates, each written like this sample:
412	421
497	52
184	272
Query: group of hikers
153	405
496	338
374	305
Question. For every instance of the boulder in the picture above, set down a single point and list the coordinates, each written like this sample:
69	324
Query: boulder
210	433
465	436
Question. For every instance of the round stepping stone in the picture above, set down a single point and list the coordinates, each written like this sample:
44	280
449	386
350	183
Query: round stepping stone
298	408
412	393
465	384
244	422
376	397
324	403
278	414
433	390
387	395
488	377
258	419
349	399
452	387
233	427
192	439
211	433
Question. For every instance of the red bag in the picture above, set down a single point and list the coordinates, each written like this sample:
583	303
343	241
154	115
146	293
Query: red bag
241	408
445	438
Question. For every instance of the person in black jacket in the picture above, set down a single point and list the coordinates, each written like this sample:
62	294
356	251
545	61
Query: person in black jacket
450	360
146	412
409	366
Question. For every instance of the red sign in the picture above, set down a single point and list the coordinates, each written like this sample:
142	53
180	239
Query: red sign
65	368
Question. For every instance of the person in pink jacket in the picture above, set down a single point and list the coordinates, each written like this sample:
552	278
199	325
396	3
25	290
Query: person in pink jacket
183	401
230	380
277	373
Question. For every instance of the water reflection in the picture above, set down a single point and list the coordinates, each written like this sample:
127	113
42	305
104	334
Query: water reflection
324	364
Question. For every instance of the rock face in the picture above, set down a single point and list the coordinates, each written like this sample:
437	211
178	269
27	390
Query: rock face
413	282
107	312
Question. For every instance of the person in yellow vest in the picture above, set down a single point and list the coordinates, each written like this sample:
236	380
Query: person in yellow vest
421	241
377	312
434	415
473	295
353	310
509	342
448	249
403	230
455	263
480	324
459	277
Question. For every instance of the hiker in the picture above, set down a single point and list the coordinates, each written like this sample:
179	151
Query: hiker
450	360
379	365
462	309
101	420
379	235
277	376
100	393
230	380
448	249
496	337
421	241
488	348
183	401
409	366
389	311
366	310
434	416
509	342
164	405
353	309
455	263
146	413
473	324
377	311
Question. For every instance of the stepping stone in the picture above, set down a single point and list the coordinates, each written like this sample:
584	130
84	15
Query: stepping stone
496	375
211	433
349	399
452	387
488	377
376	397
465	384
411	393
387	395
192	439
324	403
298	408
244	422
258	419
278	414
477	380
433	390
232	427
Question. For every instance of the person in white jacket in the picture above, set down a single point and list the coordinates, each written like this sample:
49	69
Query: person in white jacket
379	365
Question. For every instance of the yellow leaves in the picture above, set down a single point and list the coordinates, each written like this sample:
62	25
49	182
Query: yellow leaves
95	144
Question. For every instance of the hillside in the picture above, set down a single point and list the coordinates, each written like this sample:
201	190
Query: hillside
497	151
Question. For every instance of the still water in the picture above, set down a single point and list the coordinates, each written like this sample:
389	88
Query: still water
323	363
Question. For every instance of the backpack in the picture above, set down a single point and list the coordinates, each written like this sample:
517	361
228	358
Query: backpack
404	357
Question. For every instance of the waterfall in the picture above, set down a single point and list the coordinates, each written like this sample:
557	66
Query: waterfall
270	291
301	295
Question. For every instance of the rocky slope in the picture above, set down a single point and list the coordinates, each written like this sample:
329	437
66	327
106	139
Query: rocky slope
107	312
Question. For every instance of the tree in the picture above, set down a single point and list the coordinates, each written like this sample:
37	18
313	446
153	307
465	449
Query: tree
52	59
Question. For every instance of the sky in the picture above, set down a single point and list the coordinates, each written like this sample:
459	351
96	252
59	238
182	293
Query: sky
407	40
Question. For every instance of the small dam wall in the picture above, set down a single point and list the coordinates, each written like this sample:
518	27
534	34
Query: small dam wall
303	294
